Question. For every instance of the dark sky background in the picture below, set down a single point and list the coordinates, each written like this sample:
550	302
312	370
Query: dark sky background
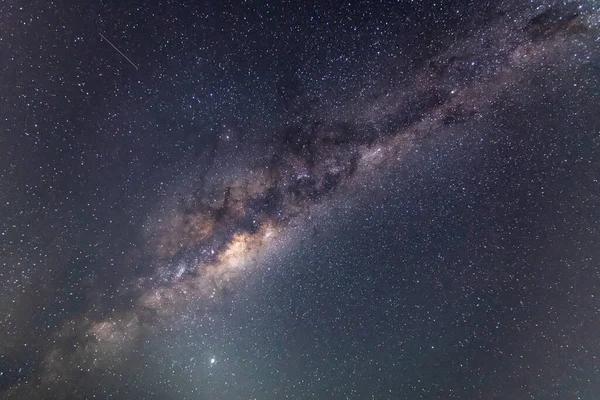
299	200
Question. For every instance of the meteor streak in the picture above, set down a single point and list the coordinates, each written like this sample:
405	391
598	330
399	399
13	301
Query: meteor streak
120	52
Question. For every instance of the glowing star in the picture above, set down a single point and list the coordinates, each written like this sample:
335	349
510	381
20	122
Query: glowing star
212	361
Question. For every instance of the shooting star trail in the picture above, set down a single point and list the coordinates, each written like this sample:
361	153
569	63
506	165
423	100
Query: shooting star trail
115	47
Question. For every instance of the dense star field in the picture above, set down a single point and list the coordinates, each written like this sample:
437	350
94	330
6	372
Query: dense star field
300	200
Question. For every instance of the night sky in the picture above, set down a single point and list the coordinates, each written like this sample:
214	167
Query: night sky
300	200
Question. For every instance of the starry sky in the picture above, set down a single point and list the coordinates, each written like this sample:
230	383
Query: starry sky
299	200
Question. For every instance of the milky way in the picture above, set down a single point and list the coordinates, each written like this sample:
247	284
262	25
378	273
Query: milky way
211	232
